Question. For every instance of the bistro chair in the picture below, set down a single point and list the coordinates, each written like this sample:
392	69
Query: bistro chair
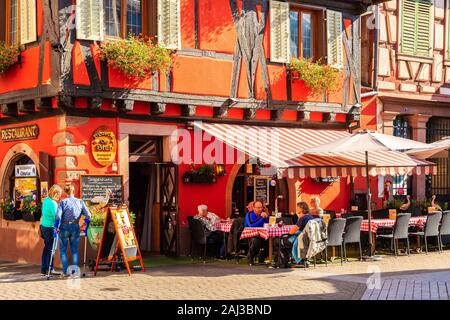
431	229
444	229
352	234
237	228
399	232
335	231
198	236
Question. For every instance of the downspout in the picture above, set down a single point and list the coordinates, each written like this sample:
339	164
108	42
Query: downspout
375	54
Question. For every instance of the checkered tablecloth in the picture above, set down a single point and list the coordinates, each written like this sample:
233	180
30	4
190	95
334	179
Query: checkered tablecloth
223	226
377	223
265	233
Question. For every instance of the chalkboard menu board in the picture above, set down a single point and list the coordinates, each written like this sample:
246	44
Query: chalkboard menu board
99	186
261	189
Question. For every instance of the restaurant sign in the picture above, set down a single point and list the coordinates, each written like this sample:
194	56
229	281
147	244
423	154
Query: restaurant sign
25	170
20	133
104	146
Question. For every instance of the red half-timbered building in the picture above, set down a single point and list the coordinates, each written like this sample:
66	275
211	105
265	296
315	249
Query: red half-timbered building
230	68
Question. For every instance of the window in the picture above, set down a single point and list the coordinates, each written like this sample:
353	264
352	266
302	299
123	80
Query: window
416	19
401	184
303	40
20	21
120	23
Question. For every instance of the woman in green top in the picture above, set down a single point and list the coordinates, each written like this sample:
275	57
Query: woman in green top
49	207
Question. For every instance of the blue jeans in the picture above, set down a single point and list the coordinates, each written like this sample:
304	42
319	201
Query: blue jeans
47	234
69	233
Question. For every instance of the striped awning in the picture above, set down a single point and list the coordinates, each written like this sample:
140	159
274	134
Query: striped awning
281	147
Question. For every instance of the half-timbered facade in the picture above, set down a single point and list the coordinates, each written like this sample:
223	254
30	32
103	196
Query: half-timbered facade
230	67
405	54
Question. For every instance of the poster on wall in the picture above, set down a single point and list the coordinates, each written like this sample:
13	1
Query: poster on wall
261	189
25	188
44	190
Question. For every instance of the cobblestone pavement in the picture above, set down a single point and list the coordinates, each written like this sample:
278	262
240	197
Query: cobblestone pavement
419	276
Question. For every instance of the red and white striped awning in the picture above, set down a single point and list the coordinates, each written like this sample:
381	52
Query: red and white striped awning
281	147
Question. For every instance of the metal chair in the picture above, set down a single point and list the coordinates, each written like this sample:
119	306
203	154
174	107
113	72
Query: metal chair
444	229
198	235
431	229
400	231
352	234
237	228
335	231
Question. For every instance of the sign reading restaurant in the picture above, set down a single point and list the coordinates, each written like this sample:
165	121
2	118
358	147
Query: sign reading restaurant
20	133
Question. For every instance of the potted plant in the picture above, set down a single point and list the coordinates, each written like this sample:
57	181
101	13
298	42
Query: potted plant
9	56
137	57
8	210
204	174
317	77
30	211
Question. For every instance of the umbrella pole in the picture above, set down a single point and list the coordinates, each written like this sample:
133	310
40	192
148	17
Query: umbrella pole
369	198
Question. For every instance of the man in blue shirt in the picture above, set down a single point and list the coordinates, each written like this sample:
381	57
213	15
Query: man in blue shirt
256	219
67	222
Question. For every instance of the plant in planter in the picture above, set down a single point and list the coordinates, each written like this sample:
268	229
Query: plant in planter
136	56
8	210
30	211
96	224
9	56
393	204
204	174
318	77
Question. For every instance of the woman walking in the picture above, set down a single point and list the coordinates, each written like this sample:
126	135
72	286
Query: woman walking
49	207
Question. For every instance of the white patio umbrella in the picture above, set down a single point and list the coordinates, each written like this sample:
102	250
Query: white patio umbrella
438	149
367	141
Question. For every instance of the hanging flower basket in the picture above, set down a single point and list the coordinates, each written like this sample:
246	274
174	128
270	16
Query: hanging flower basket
9	56
316	76
137	57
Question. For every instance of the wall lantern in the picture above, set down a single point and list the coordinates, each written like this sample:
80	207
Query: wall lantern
219	169
249	168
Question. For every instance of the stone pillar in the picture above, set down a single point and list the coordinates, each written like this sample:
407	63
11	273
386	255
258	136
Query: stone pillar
418	124
387	121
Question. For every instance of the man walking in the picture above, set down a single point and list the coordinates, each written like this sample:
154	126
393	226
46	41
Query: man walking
68	219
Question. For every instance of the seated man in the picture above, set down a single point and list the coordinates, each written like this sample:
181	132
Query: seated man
213	236
287	241
256	219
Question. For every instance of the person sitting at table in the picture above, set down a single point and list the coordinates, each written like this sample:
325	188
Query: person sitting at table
256	219
315	209
209	219
289	242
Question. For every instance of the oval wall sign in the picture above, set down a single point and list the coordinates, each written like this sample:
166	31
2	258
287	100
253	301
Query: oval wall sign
104	146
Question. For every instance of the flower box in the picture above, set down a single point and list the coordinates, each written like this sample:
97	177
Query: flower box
12	216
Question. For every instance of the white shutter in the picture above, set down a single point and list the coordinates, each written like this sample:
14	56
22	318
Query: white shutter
27	21
169	34
279	32
334	39
89	19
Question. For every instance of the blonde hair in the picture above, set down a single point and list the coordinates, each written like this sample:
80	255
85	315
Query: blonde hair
54	192
69	188
316	200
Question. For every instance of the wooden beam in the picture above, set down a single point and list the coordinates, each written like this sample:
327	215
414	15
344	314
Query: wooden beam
221	112
188	110
249	114
157	108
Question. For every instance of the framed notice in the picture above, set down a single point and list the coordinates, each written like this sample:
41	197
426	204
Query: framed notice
44	190
101	189
25	188
261	189
118	235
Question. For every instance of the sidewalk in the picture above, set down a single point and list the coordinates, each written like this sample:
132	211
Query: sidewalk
419	276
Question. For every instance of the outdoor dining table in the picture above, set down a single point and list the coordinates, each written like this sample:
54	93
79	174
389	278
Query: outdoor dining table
389	223
263	232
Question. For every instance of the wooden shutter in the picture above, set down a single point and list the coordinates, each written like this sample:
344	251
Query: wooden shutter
334	39
279	32
415	29
89	19
27	21
169	34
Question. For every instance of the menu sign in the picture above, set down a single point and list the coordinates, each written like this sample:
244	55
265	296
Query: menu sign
20	133
106	187
261	189
104	146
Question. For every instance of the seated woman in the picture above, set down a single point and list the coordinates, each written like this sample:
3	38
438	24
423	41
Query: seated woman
289	243
256	219
208	219
315	209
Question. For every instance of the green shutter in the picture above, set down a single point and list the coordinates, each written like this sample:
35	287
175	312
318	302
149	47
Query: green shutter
416	17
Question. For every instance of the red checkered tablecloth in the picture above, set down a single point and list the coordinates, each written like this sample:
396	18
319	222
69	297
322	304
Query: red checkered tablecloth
265	232
377	223
223	226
